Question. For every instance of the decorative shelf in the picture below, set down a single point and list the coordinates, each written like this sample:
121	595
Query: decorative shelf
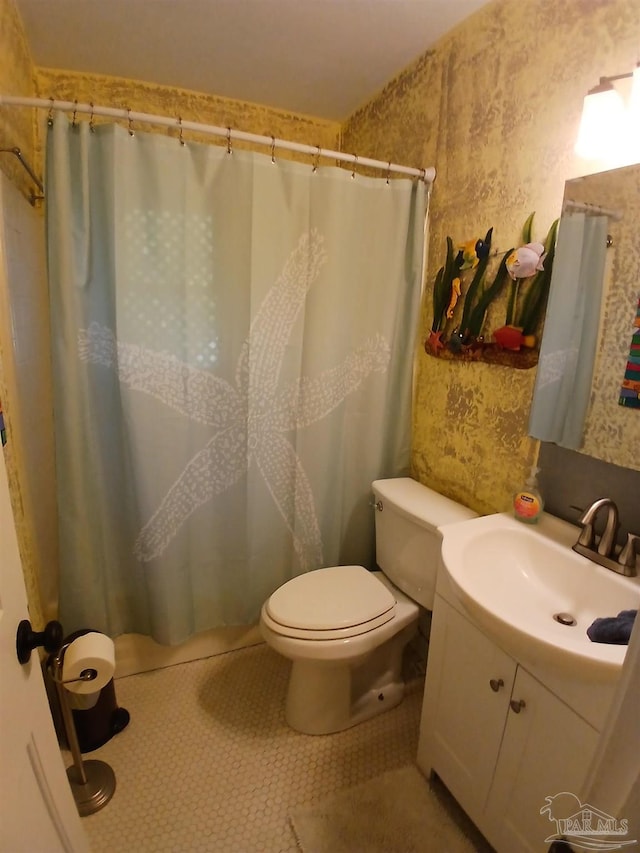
523	359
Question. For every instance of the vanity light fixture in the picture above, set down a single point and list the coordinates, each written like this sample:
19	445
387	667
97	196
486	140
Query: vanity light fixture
608	124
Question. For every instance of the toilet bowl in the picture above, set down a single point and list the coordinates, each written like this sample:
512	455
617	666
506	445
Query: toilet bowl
345	628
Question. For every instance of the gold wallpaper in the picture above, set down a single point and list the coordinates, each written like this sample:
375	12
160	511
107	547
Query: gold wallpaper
495	107
190	106
17	129
17	126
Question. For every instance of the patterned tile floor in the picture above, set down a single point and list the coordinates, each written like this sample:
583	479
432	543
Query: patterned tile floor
207	762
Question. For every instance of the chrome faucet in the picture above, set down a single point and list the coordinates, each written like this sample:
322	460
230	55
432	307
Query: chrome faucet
588	536
602	549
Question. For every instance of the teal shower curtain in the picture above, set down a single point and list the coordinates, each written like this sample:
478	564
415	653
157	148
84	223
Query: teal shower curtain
232	350
568	350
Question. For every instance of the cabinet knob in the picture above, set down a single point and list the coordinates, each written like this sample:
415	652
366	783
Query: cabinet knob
517	705
495	684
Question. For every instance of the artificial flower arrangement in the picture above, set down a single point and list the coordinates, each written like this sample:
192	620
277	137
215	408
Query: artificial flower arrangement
460	331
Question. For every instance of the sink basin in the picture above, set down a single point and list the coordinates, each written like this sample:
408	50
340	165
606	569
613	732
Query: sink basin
514	578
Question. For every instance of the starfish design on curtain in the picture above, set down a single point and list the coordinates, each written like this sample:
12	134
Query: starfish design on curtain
250	418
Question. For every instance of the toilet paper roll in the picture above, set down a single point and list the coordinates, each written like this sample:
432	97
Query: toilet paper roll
90	651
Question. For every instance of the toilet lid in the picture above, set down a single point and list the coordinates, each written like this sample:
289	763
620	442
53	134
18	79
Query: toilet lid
332	600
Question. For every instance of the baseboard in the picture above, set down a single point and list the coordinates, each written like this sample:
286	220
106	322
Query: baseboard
138	653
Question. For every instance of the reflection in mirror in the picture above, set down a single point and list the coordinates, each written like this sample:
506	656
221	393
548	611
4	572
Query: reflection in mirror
589	324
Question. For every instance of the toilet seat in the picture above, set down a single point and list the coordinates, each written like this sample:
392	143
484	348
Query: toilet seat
330	604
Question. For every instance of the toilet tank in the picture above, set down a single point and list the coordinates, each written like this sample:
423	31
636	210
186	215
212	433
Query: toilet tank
408	542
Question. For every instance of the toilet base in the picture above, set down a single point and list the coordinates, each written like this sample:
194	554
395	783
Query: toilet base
326	697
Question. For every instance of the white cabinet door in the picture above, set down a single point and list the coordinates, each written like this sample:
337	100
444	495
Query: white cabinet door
545	751
467	690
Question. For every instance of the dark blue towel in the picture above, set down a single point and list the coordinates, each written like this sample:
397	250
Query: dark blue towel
612	629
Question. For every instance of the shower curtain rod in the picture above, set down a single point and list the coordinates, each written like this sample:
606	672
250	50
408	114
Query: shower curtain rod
33	198
587	207
427	175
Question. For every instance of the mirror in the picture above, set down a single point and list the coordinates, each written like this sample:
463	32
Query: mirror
605	209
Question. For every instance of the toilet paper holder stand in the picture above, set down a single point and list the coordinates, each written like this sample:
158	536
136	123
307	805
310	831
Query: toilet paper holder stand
92	782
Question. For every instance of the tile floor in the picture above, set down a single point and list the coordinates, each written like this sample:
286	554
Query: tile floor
208	763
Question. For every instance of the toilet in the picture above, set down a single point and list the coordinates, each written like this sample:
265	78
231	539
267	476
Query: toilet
345	628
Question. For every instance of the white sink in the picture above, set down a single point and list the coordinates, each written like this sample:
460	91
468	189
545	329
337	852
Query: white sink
513	578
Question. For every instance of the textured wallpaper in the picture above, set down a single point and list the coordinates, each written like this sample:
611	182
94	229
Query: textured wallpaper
17	129
495	107
17	126
190	106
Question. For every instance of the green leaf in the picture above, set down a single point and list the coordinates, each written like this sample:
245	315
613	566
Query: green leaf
443	286
477	316
552	236
477	280
535	299
527	237
438	309
448	267
513	300
527	228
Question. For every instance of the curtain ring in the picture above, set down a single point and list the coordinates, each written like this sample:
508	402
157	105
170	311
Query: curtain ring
389	171
75	113
316	159
229	149
423	175
129	122
50	113
91	124
273	149
355	164
180	137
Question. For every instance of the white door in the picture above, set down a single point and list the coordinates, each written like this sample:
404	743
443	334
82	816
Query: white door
37	811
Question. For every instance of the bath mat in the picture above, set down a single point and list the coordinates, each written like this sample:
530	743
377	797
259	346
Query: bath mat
398	812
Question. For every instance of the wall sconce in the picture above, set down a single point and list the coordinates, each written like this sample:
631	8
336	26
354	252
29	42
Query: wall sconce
609	125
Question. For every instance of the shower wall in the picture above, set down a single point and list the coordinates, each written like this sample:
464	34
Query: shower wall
31	409
17	126
18	129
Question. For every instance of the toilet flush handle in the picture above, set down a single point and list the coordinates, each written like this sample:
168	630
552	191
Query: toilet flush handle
376	505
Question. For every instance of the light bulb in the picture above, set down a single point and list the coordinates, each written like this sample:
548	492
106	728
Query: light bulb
602	122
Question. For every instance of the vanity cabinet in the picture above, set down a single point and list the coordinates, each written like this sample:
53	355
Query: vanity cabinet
498	738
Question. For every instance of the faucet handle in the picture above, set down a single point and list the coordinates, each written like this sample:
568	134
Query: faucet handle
627	556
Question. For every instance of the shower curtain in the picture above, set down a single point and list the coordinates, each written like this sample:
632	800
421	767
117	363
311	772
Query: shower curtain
567	355
233	340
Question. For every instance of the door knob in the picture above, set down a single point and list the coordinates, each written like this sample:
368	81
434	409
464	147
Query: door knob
27	640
